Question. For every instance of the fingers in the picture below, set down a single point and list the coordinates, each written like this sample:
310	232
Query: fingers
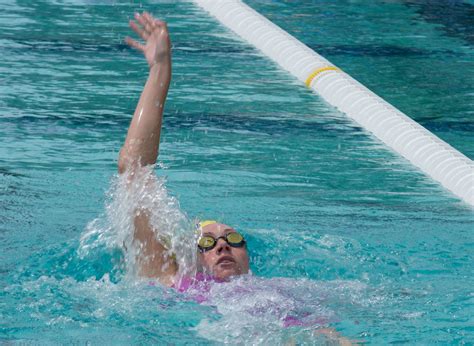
143	20
151	20
156	22
150	23
147	24
159	23
134	44
140	32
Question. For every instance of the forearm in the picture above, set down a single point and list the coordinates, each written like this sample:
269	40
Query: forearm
153	258
143	138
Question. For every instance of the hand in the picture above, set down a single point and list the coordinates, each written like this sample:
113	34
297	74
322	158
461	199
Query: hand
157	46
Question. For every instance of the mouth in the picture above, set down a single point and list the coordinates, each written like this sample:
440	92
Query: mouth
225	260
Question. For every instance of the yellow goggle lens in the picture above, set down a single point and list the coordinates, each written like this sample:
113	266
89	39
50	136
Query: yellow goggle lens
234	238
206	242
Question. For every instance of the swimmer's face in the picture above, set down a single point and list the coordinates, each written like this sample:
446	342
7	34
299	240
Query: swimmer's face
223	260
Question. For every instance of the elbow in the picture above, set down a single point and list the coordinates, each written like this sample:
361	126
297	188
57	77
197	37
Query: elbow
128	162
121	169
123	161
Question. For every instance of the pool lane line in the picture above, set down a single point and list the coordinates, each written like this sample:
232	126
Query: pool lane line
423	149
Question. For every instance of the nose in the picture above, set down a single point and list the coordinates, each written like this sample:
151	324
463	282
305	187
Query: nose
222	246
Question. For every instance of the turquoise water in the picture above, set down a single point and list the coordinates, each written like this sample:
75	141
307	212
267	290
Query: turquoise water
336	222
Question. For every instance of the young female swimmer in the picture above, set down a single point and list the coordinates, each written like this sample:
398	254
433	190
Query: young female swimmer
222	251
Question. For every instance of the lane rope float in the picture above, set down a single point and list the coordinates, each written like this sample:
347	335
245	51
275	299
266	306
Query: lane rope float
423	149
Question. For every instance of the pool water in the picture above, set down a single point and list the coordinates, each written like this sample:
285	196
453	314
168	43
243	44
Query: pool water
339	227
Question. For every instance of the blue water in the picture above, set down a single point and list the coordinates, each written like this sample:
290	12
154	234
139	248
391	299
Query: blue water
335	221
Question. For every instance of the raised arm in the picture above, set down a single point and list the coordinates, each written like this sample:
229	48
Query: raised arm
143	139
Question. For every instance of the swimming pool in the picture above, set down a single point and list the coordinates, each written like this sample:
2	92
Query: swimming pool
334	219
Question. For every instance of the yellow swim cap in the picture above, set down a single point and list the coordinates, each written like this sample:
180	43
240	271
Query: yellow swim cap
201	224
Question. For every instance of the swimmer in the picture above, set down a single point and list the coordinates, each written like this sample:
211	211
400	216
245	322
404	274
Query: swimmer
222	251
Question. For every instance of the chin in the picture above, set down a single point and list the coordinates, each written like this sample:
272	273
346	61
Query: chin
226	273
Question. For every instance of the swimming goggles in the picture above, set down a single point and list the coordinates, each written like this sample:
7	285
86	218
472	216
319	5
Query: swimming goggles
234	239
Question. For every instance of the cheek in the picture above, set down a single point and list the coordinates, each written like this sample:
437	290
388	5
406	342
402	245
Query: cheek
205	259
243	256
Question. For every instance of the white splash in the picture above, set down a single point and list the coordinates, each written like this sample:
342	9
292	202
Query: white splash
131	193
261	308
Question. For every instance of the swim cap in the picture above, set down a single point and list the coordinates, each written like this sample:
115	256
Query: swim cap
203	224
200	225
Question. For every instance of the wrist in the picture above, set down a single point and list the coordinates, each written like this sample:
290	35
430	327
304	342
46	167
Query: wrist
164	60
160	72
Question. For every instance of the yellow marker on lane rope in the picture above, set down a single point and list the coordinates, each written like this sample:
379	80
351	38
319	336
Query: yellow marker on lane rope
318	71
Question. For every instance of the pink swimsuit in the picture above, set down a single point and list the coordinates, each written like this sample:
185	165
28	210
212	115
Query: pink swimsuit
198	289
